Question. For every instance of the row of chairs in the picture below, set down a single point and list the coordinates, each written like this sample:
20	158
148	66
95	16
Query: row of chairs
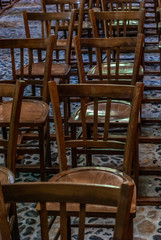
38	120
80	180
91	136
36	70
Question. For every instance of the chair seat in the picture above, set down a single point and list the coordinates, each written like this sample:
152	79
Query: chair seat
120	111
33	112
125	70
6	176
94	175
57	70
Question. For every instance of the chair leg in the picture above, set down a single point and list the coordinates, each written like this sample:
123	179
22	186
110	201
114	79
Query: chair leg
131	231
68	228
136	162
15	229
47	145
41	149
73	150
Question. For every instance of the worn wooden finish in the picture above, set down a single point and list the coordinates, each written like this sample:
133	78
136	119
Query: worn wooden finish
97	91
34	113
38	110
18	47
60	20
6	176
107	70
16	93
67	5
118	23
83	194
87	174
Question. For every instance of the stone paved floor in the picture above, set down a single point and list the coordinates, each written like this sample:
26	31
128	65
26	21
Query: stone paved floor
148	219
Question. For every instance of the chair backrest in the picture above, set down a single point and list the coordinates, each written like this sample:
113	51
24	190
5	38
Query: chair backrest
108	69
22	53
66	6
94	92
69	193
60	6
44	23
122	5
14	91
117	23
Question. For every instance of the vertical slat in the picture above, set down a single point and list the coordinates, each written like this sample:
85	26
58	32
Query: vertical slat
44	222
30	63
125	28
118	28
111	32
13	64
106	28
82	215
117	60
42	29
99	62
108	62
63	221
95	120
49	28
22	62
83	117
107	119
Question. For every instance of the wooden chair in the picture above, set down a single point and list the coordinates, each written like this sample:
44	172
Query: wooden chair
119	24
8	146
107	70
34	113
99	141
63	42
67	5
82	25
81	194
122	5
114	72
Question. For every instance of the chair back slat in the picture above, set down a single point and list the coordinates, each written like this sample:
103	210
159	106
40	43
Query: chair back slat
83	117
82	216
110	67
122	5
117	23
98	138
107	119
95	120
13	65
65	193
59	19
24	50
63	220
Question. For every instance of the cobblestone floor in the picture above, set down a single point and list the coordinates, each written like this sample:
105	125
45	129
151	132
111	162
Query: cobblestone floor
148	219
